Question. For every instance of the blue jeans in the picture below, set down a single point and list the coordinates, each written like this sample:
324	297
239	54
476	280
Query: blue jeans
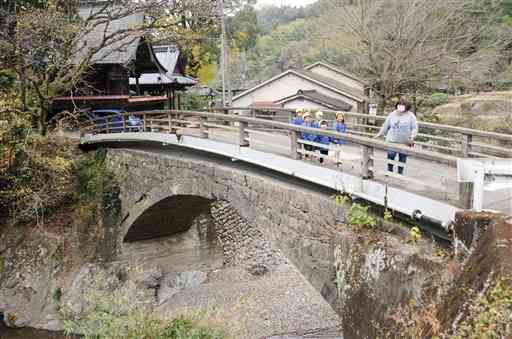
401	158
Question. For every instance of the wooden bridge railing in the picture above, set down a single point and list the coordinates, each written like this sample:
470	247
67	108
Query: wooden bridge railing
459	141
242	128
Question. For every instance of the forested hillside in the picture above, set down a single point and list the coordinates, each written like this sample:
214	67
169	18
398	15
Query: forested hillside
411	46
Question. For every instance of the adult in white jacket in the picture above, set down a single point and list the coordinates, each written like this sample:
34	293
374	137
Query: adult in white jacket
400	127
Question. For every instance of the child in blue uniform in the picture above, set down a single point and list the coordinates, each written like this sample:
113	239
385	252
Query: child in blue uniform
308	122
298	120
323	139
340	127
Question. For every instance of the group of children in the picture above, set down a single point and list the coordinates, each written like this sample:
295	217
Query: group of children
303	118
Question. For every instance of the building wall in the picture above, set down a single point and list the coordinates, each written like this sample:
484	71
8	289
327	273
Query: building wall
326	72
287	86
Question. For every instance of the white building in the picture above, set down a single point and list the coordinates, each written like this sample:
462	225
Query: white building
337	73
319	86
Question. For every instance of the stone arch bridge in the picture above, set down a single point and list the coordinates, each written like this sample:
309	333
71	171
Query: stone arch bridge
175	165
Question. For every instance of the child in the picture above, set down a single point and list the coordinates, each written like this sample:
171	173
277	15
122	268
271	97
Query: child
298	120
319	117
340	127
322	139
308	122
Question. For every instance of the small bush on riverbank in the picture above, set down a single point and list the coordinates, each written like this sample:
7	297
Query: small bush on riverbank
115	309
488	316
358	216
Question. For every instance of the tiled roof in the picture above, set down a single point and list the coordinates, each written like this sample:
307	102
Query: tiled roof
169	57
118	52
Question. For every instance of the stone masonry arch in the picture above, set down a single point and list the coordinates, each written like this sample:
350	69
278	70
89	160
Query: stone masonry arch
296	220
361	280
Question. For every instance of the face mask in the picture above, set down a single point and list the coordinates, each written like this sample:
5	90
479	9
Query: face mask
401	108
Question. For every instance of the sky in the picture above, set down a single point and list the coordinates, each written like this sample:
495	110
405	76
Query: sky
285	2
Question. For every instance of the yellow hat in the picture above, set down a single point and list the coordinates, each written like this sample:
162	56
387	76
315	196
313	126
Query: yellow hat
306	114
319	115
340	114
299	110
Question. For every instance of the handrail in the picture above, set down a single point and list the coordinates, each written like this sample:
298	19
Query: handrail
363	141
441	127
242	126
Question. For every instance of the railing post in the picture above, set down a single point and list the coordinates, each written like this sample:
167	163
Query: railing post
367	162
144	126
169	122
107	126
294	136
466	195
124	123
466	145
242	126
203	128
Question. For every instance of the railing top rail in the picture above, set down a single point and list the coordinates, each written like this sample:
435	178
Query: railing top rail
382	145
441	127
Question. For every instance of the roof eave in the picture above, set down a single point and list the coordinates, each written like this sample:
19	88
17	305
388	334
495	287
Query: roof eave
349	95
315	100
337	70
153	57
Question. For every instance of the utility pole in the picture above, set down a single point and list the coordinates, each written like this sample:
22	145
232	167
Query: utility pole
223	51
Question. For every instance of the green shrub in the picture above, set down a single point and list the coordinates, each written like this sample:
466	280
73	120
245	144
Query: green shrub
436	99
122	311
358	216
489	316
93	182
182	328
36	178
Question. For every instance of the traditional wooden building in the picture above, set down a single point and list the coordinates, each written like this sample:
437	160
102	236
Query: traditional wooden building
106	84
167	84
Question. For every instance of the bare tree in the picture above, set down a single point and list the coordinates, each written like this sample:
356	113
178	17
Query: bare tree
51	49
406	45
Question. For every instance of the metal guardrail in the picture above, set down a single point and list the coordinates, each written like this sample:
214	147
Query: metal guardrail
203	123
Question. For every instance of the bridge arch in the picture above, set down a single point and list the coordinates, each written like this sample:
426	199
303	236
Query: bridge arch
300	220
294	218
171	215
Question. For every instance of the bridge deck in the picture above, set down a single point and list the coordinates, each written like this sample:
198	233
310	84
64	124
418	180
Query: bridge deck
398	199
426	178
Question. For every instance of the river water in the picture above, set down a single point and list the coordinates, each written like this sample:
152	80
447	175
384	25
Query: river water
29	333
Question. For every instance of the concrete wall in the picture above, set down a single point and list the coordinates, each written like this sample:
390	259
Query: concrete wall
305	225
286	86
